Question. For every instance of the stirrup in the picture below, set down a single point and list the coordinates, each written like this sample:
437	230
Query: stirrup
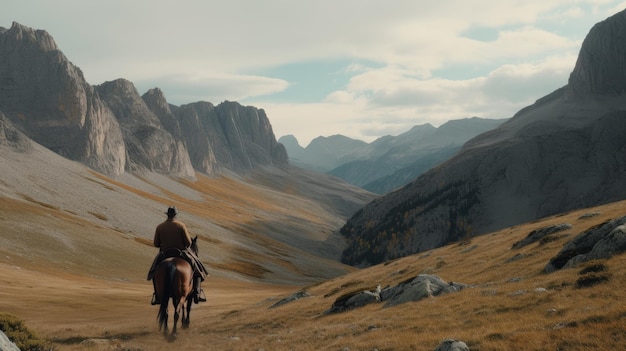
200	296
155	300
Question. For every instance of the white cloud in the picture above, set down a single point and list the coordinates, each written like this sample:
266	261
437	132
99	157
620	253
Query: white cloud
205	50
213	87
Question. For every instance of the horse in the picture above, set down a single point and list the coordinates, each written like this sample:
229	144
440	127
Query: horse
174	280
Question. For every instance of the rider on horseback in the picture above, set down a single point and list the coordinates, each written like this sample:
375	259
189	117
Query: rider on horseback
173	239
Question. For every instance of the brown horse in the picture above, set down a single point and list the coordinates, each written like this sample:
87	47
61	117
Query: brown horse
174	280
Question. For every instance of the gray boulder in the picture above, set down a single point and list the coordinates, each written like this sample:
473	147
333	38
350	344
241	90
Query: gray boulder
6	344
598	242
420	287
452	345
355	299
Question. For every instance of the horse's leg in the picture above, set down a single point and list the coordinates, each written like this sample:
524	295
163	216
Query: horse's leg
187	307
176	301
165	318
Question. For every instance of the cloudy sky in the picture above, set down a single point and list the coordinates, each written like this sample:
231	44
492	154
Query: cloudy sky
361	68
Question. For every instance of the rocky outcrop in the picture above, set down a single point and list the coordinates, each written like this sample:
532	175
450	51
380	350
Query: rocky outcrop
414	289
599	242
11	137
112	129
557	155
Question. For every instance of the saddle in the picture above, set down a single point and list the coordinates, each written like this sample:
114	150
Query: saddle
173	252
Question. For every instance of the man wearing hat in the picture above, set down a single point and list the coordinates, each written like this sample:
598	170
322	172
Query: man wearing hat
171	236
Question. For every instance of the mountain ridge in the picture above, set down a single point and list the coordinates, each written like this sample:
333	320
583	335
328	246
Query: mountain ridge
111	128
559	154
389	161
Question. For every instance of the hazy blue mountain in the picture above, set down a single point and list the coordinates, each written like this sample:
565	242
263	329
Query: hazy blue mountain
373	166
411	154
324	153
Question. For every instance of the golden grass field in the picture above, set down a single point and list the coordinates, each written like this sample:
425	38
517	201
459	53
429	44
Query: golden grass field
105	304
81	313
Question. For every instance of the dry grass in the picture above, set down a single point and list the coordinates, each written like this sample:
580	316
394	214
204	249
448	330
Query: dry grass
512	305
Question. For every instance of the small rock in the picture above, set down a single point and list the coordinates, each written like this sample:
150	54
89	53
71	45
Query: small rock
452	345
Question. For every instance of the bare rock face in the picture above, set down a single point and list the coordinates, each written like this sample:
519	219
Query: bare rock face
46	97
601	64
229	136
150	146
250	136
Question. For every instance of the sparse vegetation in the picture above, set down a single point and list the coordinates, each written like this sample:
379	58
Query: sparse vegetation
592	273
19	334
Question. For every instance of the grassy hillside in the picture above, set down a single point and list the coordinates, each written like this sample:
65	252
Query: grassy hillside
512	304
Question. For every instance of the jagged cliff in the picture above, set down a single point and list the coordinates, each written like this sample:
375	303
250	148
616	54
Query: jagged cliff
564	152
601	68
112	129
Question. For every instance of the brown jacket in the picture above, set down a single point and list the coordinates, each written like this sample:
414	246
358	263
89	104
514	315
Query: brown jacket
171	234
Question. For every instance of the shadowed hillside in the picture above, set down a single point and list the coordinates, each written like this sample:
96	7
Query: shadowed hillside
564	152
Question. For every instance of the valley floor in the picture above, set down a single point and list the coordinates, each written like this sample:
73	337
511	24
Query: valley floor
512	304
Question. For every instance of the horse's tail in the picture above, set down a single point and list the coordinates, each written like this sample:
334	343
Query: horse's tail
166	293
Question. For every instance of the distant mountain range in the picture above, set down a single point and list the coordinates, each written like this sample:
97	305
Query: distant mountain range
390	161
566	151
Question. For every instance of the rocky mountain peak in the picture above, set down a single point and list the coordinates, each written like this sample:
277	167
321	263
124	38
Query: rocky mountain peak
28	36
601	64
155	99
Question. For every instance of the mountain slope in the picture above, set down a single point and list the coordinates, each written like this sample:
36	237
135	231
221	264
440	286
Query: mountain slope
251	228
563	152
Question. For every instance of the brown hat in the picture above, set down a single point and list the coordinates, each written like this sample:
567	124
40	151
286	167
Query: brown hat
171	211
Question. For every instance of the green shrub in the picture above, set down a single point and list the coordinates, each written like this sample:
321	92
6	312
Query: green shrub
23	338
